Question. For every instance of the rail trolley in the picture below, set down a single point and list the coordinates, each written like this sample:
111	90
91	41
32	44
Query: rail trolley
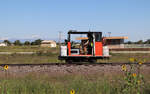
88	47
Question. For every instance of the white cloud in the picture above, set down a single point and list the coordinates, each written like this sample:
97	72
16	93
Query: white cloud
35	36
4	38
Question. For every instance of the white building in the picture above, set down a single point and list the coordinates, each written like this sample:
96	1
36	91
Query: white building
48	43
3	44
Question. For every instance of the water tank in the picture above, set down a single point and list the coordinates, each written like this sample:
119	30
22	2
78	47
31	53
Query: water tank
63	50
105	51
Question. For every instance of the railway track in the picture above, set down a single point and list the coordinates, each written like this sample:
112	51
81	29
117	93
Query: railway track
73	64
53	69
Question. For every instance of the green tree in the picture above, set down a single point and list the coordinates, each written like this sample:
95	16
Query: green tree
7	42
36	42
18	43
147	41
140	42
33	43
27	43
129	42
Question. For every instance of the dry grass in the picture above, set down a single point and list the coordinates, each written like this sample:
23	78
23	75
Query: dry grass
25	49
49	55
52	57
46	84
125	57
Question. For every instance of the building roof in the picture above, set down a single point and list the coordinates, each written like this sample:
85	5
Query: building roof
123	37
48	41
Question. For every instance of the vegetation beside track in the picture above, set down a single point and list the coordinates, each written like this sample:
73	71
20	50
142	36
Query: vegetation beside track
125	56
56	85
52	57
25	49
62	84
49	55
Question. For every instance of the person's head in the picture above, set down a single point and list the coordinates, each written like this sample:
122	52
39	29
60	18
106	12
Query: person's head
90	37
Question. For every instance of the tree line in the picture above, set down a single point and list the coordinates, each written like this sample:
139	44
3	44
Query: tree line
19	43
139	42
38	42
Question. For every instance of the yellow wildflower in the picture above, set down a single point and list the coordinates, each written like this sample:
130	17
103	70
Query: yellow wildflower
144	60
124	68
138	81
72	91
6	67
132	60
140	63
134	74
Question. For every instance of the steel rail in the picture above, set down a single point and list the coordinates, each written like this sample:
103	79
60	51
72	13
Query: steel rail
61	64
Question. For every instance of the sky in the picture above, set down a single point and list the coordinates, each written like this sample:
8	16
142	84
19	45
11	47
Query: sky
31	19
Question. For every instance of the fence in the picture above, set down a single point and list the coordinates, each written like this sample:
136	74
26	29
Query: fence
136	45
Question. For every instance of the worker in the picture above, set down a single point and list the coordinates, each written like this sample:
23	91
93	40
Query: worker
90	46
85	45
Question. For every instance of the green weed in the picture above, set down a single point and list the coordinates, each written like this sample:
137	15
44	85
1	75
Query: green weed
133	79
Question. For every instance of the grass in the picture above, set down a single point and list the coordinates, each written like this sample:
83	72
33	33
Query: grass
35	83
42	55
27	59
31	86
124	57
50	55
45	84
25	49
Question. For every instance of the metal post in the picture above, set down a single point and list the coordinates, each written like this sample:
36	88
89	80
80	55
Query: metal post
109	33
60	38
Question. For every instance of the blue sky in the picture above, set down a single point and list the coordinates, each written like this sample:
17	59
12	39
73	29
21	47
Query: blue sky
25	19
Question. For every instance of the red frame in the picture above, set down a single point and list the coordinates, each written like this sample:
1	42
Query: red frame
69	48
98	49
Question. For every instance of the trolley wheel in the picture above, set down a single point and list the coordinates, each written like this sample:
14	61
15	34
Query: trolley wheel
92	61
69	61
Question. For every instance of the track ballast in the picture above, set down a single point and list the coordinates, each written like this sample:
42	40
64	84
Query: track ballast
72	64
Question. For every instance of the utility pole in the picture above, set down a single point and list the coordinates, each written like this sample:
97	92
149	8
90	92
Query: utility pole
109	33
60	38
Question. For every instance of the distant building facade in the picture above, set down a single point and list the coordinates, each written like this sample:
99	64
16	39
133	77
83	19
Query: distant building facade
3	44
114	42
48	43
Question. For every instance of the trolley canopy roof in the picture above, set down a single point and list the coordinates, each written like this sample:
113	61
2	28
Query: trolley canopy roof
81	32
81	38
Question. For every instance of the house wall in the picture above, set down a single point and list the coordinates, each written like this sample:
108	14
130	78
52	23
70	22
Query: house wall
53	45
45	45
3	44
115	43
48	45
116	46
